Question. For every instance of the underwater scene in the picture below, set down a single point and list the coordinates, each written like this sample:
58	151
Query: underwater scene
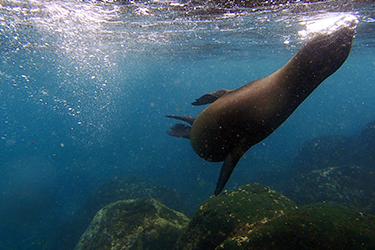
90	92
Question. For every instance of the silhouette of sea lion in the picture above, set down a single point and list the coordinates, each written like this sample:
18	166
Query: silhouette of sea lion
236	120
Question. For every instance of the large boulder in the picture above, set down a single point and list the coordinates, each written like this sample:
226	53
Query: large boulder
349	186
133	224
327	151
337	150
338	169
367	140
368	135
132	187
225	215
118	188
317	226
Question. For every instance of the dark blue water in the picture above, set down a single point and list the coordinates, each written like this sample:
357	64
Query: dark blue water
85	88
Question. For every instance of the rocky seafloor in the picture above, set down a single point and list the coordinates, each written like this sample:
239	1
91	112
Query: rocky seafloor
325	200
250	217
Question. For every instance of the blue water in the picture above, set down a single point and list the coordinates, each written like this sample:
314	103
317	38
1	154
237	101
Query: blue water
85	87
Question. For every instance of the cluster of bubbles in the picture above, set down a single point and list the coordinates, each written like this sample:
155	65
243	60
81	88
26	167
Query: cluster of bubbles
90	45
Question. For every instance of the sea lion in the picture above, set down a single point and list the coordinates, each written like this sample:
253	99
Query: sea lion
236	120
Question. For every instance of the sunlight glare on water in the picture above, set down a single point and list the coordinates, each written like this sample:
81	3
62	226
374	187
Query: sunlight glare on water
326	23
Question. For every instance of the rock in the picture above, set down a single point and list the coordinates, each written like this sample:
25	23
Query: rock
338	169
131	187
133	224
337	150
349	186
118	188
221	217
367	139
368	134
318	226
326	151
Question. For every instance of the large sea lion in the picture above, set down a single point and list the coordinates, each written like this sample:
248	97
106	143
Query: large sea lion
236	120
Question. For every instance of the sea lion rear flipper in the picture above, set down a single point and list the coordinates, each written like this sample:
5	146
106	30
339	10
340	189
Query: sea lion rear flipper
189	120
226	170
180	130
210	97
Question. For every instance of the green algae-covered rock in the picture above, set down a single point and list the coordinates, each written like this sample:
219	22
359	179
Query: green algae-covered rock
118	188
227	214
133	224
131	187
349	186
317	226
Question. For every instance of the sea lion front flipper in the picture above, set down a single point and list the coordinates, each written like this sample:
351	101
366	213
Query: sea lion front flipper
226	170
210	97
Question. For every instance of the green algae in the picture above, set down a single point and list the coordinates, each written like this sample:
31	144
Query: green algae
250	217
316	226
134	224
349	186
225	215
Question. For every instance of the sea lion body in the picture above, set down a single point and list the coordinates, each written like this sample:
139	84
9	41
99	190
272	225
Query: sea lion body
237	120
